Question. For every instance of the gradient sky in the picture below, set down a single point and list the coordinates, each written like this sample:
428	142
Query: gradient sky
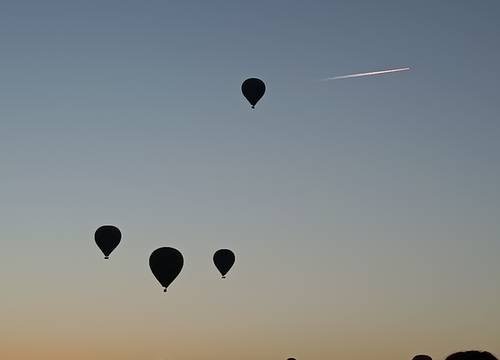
364	213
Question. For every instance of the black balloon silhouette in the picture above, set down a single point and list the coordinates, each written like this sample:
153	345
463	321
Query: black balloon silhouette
253	89
166	263
224	260
471	355
422	357
107	238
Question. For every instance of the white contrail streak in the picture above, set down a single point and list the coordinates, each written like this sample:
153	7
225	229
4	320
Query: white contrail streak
371	73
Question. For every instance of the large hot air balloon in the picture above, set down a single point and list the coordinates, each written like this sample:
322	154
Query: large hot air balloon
253	89
166	263
224	260
107	237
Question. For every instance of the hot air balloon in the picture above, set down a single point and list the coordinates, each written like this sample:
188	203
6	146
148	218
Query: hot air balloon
422	357
107	238
253	89
166	263
224	260
471	355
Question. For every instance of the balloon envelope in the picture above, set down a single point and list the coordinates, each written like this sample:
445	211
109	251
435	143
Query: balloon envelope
107	238
253	89
224	260
422	357
166	263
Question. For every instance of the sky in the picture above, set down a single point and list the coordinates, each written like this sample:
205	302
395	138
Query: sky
363	212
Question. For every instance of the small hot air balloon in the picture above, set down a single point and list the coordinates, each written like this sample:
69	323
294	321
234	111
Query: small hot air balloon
224	260
253	89
422	357
107	238
166	263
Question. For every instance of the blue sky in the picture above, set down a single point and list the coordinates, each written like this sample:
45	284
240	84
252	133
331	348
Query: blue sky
355	207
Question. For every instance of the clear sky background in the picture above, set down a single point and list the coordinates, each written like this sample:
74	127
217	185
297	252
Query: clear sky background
364	213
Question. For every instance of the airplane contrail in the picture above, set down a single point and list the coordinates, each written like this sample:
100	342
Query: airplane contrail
371	73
